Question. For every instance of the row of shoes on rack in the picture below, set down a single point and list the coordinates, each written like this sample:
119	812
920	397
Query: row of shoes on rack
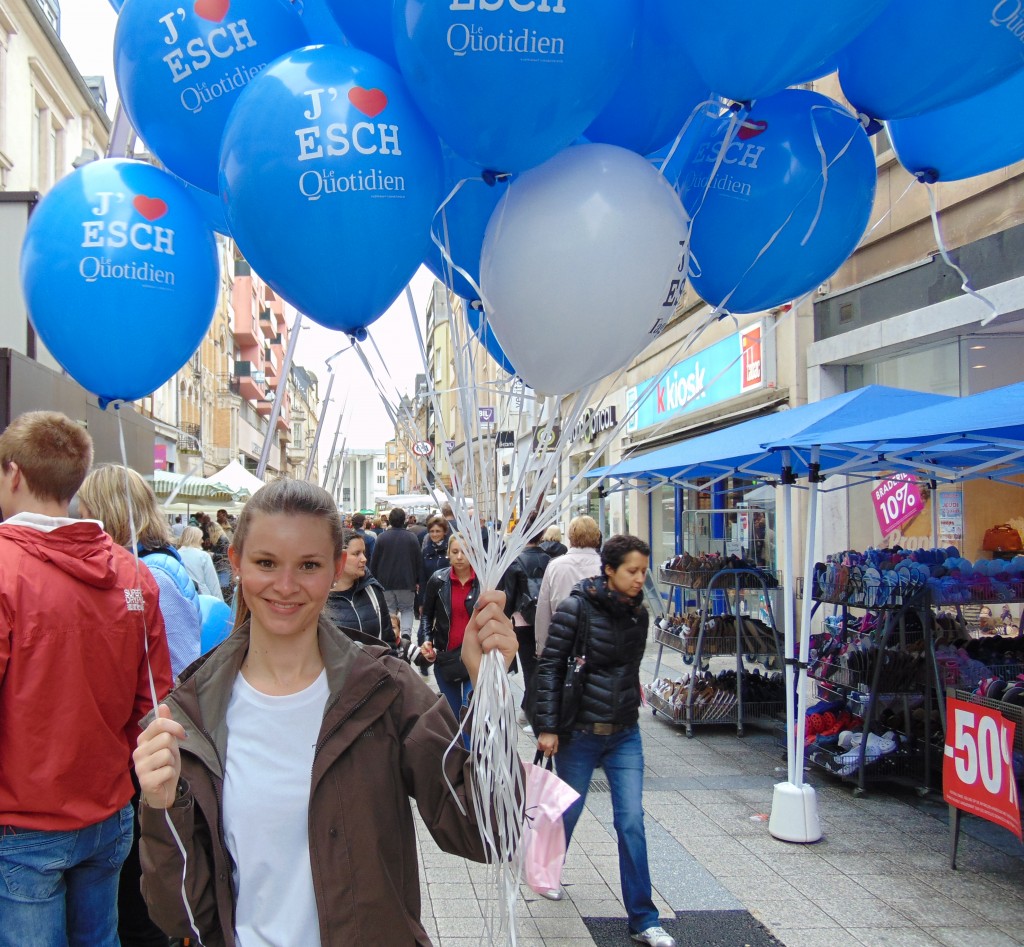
697	571
965	663
847	758
879	578
1007	692
756	637
715	696
851	660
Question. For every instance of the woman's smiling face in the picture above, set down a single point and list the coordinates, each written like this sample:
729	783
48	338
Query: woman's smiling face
286	568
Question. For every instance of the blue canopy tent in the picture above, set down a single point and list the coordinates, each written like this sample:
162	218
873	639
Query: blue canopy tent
739	450
953	439
742	450
962	438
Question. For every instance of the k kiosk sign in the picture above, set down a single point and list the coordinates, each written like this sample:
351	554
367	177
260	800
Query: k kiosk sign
734	366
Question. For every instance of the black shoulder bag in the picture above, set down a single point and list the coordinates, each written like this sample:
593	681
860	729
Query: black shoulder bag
575	671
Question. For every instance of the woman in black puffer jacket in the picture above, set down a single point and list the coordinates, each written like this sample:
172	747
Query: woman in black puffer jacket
356	601
608	614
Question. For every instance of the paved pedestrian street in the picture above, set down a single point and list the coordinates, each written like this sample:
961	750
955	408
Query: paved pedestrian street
878	878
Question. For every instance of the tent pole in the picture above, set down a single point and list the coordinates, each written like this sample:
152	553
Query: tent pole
794	816
935	513
805	616
789	600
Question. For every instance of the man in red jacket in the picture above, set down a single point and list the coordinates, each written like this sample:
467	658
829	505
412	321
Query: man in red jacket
80	630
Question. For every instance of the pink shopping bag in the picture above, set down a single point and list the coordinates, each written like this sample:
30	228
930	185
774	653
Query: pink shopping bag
547	797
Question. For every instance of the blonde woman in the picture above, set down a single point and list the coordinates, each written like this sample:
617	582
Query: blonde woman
198	561
105	497
217	543
552	542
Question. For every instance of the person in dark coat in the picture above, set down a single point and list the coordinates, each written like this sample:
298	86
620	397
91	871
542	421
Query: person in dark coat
434	551
369	536
552	542
608	611
521	585
396	564
356	601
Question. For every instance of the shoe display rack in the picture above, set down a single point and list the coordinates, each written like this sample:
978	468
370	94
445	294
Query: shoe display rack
737	696
875	663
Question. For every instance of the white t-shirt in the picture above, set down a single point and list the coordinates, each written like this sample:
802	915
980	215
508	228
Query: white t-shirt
271	742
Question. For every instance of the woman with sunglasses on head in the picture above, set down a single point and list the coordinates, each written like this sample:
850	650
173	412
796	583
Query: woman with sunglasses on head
448	602
287	757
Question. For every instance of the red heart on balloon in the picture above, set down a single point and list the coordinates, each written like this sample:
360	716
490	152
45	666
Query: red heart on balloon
750	129
371	102
152	208
213	10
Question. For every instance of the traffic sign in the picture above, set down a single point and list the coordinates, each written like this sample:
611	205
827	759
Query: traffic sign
423	448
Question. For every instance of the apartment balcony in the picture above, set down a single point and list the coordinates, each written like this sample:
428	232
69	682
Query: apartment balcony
271	364
297	455
267	323
264	406
250	382
190	439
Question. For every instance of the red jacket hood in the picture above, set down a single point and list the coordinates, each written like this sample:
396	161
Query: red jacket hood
81	550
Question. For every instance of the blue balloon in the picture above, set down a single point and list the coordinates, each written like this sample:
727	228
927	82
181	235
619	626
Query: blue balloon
771	179
121	277
509	84
481	328
916	58
210	205
462	226
661	87
975	136
366	25
217	622
745	50
319	21
180	71
331	179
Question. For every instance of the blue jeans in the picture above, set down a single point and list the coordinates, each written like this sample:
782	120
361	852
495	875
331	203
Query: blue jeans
59	888
621	755
457	696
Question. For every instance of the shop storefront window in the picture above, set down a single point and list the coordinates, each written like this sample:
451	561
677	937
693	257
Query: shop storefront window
935	370
963	366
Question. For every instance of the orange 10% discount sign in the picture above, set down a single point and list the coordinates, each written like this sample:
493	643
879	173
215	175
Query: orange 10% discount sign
977	770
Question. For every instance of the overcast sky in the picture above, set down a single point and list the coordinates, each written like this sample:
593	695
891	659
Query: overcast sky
87	30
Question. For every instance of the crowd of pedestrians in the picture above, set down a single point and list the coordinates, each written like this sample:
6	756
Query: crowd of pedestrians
295	743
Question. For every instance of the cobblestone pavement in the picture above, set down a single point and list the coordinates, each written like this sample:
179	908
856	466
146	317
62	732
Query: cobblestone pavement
879	877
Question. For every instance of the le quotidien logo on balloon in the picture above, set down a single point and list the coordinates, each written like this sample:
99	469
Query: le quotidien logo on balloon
741	153
140	231
214	47
335	139
531	44
1010	14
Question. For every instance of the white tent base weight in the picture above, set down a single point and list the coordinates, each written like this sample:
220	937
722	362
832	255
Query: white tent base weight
794	815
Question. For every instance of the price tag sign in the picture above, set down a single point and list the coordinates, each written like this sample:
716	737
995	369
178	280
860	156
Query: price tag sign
897	501
977	769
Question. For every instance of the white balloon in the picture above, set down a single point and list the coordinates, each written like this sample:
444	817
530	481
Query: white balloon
581	265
